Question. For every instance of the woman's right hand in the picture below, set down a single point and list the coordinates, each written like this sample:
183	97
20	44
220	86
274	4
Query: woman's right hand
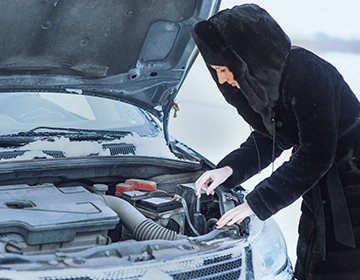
213	177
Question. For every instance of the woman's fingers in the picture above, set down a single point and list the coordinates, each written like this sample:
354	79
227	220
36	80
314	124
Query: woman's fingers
230	221
213	177
212	187
228	218
235	215
201	183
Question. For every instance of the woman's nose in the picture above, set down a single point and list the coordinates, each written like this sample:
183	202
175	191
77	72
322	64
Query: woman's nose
222	78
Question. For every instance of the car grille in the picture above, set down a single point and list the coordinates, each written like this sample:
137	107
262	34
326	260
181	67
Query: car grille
11	154
14	154
54	154
120	149
233	261
224	271
115	149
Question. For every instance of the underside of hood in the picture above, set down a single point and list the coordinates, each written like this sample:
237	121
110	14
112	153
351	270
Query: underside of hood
133	50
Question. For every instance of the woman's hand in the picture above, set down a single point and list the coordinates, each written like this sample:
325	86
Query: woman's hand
215	177
235	215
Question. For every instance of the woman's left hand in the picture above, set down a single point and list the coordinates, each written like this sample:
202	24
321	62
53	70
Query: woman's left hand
235	215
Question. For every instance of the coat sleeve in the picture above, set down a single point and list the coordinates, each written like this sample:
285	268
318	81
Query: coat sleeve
315	105
255	154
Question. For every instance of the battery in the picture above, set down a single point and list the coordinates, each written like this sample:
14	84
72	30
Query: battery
159	204
134	195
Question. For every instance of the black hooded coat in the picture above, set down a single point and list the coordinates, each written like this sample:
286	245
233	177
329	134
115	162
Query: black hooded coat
292	99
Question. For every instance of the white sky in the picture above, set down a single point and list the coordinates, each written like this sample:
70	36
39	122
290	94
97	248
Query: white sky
303	17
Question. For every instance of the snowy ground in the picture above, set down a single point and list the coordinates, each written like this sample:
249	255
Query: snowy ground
212	127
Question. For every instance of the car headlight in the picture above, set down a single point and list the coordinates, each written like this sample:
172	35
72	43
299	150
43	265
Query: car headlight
270	256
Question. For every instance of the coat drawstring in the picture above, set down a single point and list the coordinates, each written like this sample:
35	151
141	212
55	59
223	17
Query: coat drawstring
273	147
257	150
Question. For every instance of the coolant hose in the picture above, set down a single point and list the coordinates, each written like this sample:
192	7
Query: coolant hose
140	227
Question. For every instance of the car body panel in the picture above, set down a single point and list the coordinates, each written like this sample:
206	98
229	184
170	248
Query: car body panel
126	50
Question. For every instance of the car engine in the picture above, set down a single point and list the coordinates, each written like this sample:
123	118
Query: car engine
44	218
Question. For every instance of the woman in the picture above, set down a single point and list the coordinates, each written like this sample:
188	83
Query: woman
292	99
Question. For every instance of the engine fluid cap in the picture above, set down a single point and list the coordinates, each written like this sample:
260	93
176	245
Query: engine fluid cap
143	185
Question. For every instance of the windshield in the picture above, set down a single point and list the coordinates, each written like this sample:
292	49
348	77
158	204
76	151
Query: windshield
21	112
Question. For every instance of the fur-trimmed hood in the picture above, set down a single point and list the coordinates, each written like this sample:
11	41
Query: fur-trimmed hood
252	45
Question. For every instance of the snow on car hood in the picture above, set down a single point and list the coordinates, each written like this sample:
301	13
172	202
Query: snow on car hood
144	146
135	51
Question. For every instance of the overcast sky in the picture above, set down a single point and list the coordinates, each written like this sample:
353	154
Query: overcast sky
303	17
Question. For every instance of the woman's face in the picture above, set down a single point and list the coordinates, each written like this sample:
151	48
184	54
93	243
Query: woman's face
225	75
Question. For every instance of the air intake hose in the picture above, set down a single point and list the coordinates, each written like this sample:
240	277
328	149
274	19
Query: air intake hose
140	227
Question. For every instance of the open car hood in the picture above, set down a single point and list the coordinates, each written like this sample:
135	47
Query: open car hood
137	51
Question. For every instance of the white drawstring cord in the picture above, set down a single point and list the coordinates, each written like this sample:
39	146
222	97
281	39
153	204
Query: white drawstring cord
257	150
273	148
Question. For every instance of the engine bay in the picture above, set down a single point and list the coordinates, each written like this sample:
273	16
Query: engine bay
48	219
